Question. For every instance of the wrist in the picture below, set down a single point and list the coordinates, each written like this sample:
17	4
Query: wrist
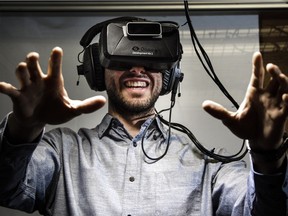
271	168
19	132
269	161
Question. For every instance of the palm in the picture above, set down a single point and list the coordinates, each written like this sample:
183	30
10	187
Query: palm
262	114
42	99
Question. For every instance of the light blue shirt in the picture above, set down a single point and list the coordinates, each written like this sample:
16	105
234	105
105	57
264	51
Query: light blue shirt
103	171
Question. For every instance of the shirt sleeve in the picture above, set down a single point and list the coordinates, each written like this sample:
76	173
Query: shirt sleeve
267	194
229	189
27	171
248	194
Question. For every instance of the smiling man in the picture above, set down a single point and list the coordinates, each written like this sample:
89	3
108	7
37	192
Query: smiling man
131	163
133	93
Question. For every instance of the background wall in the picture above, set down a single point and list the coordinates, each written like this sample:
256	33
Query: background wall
230	41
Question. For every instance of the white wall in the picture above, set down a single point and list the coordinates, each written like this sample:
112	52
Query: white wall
229	41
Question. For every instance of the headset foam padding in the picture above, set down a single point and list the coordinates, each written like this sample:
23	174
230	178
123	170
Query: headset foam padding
93	70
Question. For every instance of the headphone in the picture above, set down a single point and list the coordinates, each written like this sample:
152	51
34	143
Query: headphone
94	72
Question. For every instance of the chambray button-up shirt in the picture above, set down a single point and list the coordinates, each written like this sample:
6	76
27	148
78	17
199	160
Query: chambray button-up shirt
103	171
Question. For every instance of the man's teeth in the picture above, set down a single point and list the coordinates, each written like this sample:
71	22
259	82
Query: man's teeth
138	84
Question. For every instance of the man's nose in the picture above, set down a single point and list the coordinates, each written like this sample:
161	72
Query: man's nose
138	70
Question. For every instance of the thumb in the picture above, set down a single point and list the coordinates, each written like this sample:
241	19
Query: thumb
90	105
9	90
216	110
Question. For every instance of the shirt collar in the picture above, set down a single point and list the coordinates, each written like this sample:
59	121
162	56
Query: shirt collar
109	120
161	127
105	124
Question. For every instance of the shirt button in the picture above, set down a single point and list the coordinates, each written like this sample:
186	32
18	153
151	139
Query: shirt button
135	144
131	179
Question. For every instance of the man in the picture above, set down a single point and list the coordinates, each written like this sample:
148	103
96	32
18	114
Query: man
103	171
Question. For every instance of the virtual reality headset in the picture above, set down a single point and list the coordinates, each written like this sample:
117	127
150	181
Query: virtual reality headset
153	45
126	42
130	41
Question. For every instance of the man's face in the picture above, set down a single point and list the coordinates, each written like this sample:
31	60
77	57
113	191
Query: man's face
134	91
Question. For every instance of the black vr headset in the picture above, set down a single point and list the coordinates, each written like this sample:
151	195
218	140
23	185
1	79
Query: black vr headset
130	41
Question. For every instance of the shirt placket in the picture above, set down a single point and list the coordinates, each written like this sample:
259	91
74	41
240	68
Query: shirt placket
131	184
132	174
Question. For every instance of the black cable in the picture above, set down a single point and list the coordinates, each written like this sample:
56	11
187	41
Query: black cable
154	159
210	153
209	68
210	71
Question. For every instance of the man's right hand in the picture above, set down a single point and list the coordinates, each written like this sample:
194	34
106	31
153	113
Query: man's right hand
42	99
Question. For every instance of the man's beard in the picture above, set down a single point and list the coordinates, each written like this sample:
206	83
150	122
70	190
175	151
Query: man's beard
131	107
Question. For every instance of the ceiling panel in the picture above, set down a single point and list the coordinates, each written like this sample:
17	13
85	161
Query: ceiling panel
140	5
192	2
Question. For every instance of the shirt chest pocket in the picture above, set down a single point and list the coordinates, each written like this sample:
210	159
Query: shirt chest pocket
178	192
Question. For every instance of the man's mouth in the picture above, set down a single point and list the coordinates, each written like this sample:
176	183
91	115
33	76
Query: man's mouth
136	84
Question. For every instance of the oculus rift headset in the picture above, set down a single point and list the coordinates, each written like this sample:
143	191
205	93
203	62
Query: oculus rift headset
125	42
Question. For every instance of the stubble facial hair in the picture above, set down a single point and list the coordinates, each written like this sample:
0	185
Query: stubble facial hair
135	108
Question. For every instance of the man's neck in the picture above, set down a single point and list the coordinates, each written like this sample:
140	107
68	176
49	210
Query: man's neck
132	123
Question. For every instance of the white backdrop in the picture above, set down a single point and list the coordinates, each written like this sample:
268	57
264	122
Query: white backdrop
229	41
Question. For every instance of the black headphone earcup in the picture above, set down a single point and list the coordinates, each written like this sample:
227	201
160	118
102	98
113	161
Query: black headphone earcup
93	71
170	80
167	81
